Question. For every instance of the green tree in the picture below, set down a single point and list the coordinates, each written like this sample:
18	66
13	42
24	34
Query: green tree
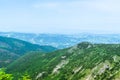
25	77
4	76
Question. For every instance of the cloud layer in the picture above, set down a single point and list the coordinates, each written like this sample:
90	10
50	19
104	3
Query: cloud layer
60	16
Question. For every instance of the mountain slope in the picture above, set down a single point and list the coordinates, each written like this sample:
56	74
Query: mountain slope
84	61
11	49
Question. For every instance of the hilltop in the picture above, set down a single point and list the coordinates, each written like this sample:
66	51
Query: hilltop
84	61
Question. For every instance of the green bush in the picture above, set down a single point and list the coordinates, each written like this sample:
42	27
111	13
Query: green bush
5	76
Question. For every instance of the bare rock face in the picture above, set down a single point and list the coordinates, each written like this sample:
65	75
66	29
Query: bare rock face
59	66
84	61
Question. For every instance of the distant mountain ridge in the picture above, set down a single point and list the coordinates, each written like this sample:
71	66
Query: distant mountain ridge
84	61
62	40
11	49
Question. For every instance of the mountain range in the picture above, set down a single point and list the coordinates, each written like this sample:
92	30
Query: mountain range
97	60
63	40
11	49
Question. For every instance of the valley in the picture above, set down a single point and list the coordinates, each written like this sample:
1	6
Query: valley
83	61
61	41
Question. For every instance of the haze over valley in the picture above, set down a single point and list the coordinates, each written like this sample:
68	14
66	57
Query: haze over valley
59	39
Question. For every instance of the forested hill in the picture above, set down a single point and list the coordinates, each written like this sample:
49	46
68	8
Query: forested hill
85	61
11	49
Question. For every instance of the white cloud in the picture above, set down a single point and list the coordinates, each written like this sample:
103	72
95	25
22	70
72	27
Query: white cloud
105	5
98	5
69	15
46	5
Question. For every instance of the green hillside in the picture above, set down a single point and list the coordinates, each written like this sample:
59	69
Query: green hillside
11	49
84	61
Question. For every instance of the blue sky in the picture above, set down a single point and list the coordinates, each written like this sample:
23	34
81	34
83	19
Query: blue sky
63	16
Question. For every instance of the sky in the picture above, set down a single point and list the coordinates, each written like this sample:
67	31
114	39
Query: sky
60	16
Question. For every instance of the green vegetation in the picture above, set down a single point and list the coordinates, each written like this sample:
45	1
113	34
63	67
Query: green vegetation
80	62
11	49
4	76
